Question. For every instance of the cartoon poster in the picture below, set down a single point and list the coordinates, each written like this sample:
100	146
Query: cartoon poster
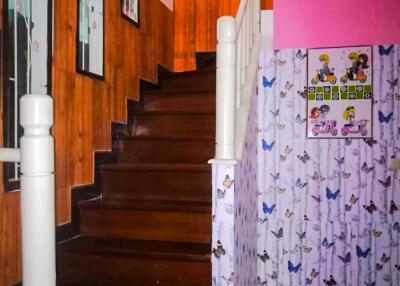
339	93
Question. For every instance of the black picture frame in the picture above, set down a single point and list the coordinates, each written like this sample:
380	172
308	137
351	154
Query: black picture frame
129	19
79	56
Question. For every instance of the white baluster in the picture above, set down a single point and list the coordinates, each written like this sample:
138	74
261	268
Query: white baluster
37	191
226	88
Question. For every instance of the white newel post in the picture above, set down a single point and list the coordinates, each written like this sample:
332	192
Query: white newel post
226	88
37	191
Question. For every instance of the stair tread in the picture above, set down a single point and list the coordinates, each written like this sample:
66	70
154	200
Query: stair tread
162	138
138	248
158	167
151	205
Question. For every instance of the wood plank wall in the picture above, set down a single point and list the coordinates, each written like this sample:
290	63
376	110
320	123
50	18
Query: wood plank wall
85	107
196	26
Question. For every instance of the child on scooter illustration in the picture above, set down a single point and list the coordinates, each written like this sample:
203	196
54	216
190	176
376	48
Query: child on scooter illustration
356	71
353	126
321	124
326	73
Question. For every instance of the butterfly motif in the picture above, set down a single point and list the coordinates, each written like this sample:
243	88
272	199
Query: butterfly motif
300	55
282	158
300	184
261	283
288	86
305	218
275	177
278	234
397	266
308	281
281	62
346	259
301	235
362	253
385	51
393	83
348	141
262	220
303	94
221	193
307	250
365	168
327	244
289	214
370	208
346	175
378	266
304	158
283	94
353	199
280	126
300	120
376	233
268	210
268	83
293	268
280	190
331	195
266	146
219	251
384	118
347	207
385	258
381	160
316	198
288	150
393	207
330	282
314	273
370	142
227	183
317	177
275	113
264	257
341	237
386	183
340	161
370	284
273	276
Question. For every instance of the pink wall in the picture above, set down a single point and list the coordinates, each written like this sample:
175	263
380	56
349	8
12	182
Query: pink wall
327	23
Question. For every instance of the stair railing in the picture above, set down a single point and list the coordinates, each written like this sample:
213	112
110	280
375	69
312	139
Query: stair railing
36	157
238	49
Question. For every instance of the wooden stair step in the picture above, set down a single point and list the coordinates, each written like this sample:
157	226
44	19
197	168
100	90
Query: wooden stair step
101	261
189	80
186	182
179	124
147	220
144	149
179	100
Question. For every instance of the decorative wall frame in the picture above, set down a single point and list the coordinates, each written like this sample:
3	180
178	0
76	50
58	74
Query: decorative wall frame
130	10
340	92
90	38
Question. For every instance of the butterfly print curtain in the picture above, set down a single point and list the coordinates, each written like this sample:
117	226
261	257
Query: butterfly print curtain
311	211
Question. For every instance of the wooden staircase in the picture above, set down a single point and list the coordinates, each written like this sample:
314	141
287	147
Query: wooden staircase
147	219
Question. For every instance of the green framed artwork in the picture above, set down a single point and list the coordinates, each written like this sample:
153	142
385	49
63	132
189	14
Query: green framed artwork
339	103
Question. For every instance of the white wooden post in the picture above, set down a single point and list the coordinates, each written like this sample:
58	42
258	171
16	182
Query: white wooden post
37	191
226	88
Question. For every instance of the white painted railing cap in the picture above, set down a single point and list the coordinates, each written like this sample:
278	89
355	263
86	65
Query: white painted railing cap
226	29
36	111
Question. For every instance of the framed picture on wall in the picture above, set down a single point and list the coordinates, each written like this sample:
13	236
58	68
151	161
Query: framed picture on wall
90	38
340	91
131	11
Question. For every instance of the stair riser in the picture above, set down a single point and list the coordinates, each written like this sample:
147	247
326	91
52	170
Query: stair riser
107	270
196	81
165	151
181	126
200	102
157	185
147	225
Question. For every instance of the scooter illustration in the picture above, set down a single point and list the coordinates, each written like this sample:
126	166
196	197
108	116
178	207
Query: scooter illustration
329	78
349	75
325	127
355	127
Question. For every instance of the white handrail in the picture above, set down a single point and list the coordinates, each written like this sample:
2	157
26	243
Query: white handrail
238	48
37	190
